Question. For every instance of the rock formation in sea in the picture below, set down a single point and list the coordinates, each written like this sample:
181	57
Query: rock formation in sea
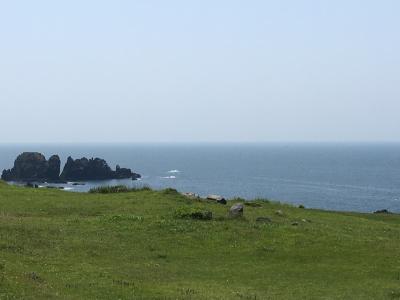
121	173
33	166
53	170
93	169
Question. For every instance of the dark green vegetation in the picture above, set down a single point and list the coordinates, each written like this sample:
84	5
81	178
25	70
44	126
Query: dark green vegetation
189	212
117	189
141	245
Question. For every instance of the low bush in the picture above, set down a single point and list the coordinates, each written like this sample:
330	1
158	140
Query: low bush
109	189
143	188
193	213
261	200
117	189
170	191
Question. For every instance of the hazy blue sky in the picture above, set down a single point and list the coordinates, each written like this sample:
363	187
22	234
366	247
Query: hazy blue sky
131	71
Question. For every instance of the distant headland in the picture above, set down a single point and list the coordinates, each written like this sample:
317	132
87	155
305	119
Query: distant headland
33	166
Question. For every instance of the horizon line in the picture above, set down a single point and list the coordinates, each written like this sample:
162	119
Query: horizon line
205	142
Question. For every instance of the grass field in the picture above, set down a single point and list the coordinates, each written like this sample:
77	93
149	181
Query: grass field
134	245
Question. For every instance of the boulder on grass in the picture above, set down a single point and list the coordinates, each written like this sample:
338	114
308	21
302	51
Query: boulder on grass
236	211
217	198
191	195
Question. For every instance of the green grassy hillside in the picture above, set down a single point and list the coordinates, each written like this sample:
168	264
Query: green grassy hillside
61	245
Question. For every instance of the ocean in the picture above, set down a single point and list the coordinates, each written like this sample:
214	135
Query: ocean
343	177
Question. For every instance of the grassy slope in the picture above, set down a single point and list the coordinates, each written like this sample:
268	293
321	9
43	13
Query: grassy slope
55	244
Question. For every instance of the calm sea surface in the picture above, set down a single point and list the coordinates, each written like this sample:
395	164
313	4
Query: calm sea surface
350	177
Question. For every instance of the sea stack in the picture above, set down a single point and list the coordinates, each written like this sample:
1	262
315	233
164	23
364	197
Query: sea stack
93	169
33	166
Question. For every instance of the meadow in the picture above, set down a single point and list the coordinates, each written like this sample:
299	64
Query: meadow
144	244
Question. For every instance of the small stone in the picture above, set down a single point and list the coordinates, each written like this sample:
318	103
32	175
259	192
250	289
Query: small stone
221	201
279	212
217	198
236	210
191	195
295	224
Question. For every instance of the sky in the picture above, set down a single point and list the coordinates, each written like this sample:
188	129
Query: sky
199	71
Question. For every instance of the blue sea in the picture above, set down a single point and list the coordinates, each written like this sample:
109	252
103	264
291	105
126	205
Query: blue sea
344	177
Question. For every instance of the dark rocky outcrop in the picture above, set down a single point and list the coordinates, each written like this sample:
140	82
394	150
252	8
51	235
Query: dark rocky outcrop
53	171
217	198
85	169
93	169
382	211
6	175
121	173
33	166
31	185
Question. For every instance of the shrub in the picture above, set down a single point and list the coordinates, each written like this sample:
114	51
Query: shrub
193	213
170	191
261	200
143	188
109	189
117	189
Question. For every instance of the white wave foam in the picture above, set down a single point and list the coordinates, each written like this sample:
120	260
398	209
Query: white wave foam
169	177
173	171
